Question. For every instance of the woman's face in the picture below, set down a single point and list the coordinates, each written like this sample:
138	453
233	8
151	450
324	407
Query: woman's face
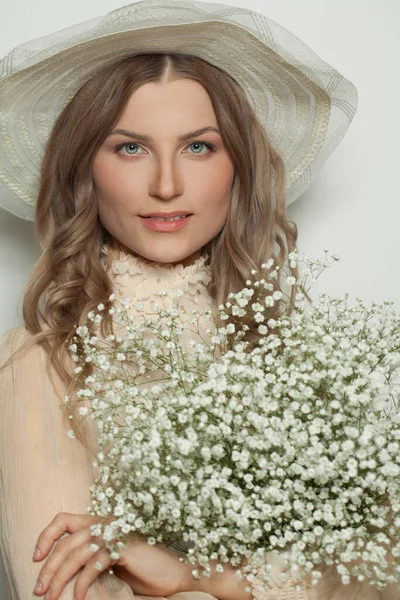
152	162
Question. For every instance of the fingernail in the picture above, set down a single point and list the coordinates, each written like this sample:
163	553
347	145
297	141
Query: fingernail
38	587
48	595
37	553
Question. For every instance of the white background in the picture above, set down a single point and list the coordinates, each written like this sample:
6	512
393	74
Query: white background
352	208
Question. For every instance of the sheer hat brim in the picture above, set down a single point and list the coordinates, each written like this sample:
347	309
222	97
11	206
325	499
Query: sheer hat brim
304	104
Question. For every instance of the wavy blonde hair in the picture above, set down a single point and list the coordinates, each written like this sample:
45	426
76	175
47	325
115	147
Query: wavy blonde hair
69	279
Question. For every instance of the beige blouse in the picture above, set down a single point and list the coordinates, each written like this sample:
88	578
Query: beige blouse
44	472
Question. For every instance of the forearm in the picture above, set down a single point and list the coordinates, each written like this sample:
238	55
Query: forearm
224	586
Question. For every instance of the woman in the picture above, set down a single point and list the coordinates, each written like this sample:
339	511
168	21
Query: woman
139	131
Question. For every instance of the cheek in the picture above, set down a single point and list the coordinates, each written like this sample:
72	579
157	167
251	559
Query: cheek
218	190
109	193
110	181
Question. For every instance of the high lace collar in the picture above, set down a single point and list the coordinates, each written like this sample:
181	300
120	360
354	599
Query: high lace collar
140	278
125	262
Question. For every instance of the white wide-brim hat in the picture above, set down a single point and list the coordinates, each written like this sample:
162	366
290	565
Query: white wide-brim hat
303	103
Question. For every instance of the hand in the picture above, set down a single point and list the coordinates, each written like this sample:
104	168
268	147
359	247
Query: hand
149	570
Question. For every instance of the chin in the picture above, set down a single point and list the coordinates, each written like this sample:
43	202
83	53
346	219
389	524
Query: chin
166	257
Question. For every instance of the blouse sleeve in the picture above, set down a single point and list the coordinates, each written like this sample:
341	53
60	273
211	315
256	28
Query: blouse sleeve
42	471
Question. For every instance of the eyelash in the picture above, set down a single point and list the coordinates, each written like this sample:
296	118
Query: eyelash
210	147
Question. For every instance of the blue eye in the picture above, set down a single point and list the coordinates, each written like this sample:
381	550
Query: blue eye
209	146
127	146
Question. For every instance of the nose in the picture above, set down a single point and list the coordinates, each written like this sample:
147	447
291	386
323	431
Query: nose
166	181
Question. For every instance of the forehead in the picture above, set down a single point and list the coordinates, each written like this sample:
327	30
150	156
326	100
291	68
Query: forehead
182	102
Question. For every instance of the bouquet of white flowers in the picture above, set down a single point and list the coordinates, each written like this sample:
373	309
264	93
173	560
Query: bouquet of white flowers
289	444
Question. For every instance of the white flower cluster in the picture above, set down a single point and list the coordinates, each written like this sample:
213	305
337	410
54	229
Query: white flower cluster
291	445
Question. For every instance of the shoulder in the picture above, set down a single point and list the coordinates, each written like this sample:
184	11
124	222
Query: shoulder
12	340
15	333
20	355
25	373
25	365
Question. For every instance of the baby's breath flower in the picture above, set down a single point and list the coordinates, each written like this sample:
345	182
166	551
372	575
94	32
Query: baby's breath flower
290	280
269	301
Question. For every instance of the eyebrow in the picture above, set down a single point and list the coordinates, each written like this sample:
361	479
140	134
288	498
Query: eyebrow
147	138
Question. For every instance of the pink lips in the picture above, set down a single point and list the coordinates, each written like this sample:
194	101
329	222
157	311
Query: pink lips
165	226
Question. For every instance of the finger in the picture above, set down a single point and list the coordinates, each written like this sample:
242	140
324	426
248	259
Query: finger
97	564
62	523
75	560
60	554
